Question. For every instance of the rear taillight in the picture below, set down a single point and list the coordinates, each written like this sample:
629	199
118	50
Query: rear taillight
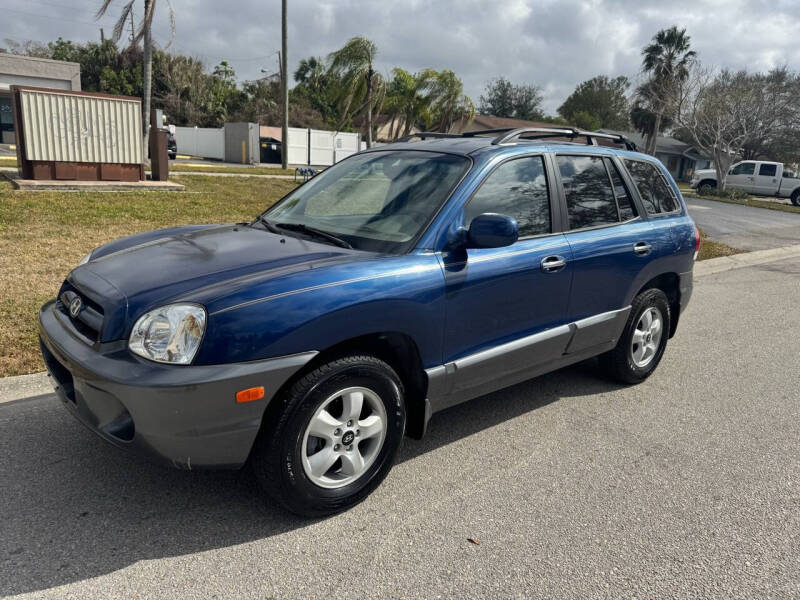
696	242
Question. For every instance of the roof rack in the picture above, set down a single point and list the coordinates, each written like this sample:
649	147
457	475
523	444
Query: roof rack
427	134
569	132
508	134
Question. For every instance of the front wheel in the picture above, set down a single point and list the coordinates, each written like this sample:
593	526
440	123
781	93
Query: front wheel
643	340
333	437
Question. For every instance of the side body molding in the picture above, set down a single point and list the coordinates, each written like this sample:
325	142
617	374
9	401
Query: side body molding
524	358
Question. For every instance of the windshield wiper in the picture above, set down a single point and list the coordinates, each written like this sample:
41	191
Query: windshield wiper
300	227
269	225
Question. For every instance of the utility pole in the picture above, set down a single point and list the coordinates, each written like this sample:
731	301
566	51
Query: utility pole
102	36
284	90
133	29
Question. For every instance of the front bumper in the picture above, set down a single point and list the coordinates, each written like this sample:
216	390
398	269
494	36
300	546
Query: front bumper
186	416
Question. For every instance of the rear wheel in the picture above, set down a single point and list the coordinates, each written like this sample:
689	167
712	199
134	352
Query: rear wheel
796	198
333	437
643	340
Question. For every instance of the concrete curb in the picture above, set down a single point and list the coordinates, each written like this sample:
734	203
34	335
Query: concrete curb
746	259
36	384
36	185
24	386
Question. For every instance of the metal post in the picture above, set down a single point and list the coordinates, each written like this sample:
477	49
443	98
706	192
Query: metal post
284	90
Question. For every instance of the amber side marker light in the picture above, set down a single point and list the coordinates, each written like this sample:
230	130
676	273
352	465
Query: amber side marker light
250	394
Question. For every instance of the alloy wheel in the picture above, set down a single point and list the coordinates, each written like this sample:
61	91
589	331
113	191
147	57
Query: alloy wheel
344	437
647	337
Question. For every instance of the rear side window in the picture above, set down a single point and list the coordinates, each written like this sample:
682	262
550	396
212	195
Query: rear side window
590	198
657	196
768	170
517	188
624	201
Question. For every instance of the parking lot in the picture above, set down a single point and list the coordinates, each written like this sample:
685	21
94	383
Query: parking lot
687	485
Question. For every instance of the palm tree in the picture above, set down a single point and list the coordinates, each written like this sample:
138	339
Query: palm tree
450	103
409	98
666	60
144	33
354	64
311	72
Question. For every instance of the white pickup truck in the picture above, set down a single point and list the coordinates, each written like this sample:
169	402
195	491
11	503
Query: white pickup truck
759	177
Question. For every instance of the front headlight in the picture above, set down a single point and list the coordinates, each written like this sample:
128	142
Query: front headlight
85	259
170	334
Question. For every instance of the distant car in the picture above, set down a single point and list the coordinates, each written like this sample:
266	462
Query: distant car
399	282
172	146
757	177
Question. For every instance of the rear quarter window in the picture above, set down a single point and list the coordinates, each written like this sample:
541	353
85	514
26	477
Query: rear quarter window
657	196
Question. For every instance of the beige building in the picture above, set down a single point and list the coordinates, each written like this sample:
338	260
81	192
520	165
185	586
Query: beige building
28	70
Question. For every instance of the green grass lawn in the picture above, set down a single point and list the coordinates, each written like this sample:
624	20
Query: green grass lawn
214	168
712	249
44	234
205	167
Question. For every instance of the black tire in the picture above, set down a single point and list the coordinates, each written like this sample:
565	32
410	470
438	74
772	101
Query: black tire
706	186
796	198
618	364
277	459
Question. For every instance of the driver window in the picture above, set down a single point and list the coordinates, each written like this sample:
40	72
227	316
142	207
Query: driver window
517	188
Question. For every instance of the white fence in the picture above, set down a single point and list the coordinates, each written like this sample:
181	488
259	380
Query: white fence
298	146
320	148
306	146
201	141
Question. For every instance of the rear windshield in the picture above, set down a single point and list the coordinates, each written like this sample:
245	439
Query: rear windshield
378	201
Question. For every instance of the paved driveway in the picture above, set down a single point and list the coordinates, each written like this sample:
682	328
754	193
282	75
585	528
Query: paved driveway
745	227
685	486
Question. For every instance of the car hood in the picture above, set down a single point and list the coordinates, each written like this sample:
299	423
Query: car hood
132	275
704	173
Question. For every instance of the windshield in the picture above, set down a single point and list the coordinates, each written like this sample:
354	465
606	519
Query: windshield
378	201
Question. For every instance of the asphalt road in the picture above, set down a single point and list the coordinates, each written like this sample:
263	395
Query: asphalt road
745	227
685	486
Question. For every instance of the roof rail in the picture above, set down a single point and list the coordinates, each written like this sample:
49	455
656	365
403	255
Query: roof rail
478	132
570	132
427	134
507	134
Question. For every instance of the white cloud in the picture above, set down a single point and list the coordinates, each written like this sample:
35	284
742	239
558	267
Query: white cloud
555	44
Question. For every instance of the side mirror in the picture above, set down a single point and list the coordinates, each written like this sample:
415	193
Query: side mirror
491	230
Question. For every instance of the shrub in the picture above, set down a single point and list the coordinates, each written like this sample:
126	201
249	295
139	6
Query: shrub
729	194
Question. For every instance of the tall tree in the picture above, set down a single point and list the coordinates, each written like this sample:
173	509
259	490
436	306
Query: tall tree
408	99
666	61
505	99
363	86
142	33
720	111
449	102
311	72
599	102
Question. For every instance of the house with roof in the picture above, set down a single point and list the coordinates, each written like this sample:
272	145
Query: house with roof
680	158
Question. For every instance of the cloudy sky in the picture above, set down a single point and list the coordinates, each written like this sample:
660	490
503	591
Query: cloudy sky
552	43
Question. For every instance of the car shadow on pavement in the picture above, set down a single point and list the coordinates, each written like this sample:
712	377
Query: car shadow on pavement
75	507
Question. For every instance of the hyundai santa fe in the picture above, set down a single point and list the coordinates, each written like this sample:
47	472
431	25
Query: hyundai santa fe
399	282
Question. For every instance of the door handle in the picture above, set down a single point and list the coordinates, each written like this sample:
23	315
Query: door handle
551	264
642	248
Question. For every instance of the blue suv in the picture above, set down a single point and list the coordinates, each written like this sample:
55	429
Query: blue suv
399	282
